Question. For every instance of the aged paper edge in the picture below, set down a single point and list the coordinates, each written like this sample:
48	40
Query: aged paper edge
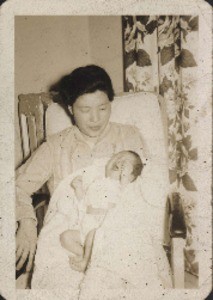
13	8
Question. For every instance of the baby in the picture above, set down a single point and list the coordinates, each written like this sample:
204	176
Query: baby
100	196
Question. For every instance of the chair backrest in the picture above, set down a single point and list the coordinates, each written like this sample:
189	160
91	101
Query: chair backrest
143	111
31	110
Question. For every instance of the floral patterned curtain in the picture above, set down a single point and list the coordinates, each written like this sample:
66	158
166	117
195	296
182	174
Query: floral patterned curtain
160	54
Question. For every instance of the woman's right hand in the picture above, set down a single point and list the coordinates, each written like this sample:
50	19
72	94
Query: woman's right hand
26	239
78	263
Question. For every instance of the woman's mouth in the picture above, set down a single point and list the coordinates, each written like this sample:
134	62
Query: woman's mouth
95	128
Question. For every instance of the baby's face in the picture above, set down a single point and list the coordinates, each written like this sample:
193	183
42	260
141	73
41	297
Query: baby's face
120	167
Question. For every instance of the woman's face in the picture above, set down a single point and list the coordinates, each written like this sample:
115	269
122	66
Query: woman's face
91	113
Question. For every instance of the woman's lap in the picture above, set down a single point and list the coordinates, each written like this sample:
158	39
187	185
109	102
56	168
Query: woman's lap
52	269
57	276
100	283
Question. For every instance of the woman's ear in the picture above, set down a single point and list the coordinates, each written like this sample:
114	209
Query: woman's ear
70	109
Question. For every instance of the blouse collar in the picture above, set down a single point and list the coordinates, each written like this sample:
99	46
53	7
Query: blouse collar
82	138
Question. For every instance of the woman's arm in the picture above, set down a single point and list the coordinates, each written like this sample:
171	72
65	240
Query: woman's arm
82	264
91	221
31	176
88	245
70	240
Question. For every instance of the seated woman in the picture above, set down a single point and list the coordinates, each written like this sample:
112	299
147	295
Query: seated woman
97	190
87	92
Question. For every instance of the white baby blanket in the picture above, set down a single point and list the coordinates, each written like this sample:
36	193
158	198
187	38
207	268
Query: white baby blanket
123	245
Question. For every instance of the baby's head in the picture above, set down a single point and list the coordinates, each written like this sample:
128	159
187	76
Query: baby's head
124	166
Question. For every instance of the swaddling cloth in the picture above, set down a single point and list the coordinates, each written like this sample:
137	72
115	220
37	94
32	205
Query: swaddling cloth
52	260
64	190
102	194
65	212
123	244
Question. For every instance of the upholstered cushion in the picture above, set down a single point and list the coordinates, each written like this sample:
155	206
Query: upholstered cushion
56	119
142	110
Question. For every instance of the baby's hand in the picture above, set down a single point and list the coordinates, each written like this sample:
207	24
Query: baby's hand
77	263
76	182
77	185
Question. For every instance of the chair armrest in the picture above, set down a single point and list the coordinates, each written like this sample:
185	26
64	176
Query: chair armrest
177	221
39	199
40	203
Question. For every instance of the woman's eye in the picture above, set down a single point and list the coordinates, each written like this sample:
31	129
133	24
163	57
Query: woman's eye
103	108
84	110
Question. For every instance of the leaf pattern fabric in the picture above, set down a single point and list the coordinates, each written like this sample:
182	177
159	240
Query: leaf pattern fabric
160	54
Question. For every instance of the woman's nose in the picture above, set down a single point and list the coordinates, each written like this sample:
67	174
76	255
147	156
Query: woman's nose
94	116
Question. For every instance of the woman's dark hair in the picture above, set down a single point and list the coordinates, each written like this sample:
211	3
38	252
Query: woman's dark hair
84	80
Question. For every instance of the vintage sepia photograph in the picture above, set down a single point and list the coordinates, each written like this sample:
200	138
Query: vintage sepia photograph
152	60
109	156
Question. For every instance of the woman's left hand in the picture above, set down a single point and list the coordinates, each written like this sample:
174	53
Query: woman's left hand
78	265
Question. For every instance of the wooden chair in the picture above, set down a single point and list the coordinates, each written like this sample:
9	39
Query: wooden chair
31	109
177	229
33	123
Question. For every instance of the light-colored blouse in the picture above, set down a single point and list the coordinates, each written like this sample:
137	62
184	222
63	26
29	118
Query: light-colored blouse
66	152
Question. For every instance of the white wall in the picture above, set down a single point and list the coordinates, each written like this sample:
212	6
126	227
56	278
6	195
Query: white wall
48	47
106	47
